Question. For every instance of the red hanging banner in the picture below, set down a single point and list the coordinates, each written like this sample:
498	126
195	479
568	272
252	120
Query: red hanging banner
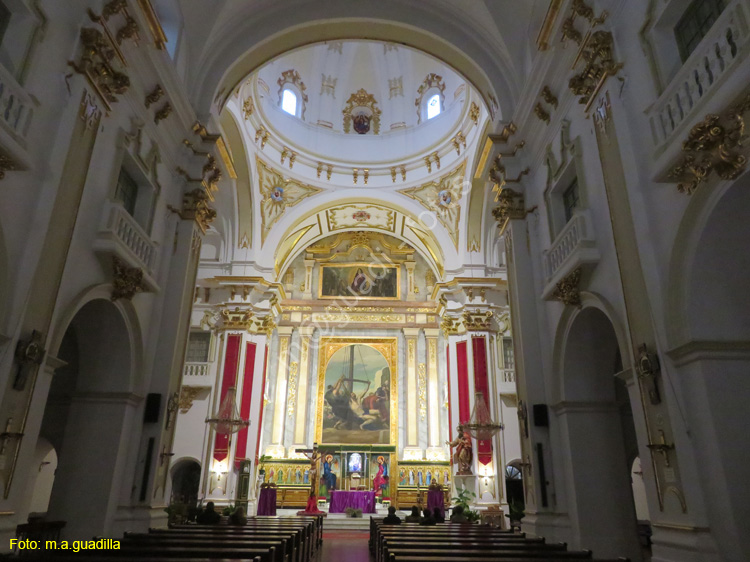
462	365
229	379
247	394
481	384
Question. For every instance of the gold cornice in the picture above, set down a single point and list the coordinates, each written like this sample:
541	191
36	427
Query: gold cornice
542	40
242	280
226	158
154	25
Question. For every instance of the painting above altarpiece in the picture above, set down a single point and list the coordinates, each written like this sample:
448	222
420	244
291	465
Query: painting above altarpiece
357	391
359	281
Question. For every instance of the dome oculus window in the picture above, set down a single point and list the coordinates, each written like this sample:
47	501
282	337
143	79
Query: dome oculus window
433	106
289	102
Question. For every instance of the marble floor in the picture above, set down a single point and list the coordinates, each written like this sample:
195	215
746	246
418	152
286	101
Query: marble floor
345	546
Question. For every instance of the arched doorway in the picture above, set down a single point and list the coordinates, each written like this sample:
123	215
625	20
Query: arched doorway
597	422
88	418
186	477
514	483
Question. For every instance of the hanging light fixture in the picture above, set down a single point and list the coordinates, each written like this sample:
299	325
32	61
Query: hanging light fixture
227	420
480	425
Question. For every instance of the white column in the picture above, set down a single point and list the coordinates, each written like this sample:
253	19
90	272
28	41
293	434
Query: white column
411	450
301	421
435	451
279	407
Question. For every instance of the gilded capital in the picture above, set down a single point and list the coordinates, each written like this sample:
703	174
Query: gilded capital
195	207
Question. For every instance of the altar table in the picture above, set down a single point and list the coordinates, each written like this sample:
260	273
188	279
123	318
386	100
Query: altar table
341	499
267	501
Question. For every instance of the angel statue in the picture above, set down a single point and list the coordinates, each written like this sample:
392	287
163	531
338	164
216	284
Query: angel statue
463	455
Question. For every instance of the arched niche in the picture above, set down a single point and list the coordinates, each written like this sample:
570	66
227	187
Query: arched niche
593	428
89	416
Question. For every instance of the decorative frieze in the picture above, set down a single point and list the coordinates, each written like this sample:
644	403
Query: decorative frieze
97	64
477	320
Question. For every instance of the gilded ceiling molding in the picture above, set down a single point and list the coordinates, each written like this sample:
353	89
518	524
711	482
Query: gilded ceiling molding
443	198
278	193
713	145
431	82
541	113
567	291
261	134
474	112
361	110
248	107
542	40
360	216
154	25
163	113
549	97
291	76
126	280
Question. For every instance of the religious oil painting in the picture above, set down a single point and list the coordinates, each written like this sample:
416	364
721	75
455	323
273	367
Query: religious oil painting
360	281
356	402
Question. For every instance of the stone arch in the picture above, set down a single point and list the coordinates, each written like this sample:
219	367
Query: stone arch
95	340
588	354
710	266
185	475
241	44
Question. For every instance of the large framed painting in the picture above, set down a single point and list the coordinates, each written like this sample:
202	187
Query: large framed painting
357	401
359	280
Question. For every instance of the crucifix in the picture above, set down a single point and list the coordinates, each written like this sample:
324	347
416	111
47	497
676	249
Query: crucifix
314	456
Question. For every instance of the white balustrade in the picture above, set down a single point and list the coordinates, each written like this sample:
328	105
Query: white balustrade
16	107
723	44
196	370
129	232
565	244
509	375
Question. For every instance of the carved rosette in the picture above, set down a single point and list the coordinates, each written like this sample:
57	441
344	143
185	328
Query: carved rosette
567	291
713	145
195	207
126	281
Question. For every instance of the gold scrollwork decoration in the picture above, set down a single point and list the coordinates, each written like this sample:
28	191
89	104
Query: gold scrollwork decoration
361	99
713	145
599	64
96	63
292	393
422	390
195	207
567	291
126	281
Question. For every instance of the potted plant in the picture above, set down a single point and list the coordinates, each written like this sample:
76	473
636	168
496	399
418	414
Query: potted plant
515	514
353	513
464	499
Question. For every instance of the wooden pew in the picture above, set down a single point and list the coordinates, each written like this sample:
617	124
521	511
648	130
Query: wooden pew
283	546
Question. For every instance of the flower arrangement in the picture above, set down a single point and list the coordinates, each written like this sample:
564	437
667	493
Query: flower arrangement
353	513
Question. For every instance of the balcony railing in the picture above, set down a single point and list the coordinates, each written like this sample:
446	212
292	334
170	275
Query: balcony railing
122	230
720	48
575	246
509	375
16	107
196	370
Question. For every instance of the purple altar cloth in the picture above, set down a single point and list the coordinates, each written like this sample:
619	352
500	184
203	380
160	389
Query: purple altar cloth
435	498
267	501
341	499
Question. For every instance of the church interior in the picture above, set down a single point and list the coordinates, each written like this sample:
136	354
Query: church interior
306	261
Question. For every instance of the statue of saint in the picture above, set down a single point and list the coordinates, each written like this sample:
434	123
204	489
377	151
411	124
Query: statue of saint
463	455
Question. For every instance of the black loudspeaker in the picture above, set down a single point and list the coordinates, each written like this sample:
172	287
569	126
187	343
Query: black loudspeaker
153	403
541	417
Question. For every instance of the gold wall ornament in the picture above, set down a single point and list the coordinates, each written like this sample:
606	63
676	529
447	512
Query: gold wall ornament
292	158
511	206
436	158
154	96
187	395
403	173
713	145
284	153
451	326
237	319
549	97
474	112
567	291
291	403
7	164
599	64
366	174
569	31
291	76
355	174
329	172
261	134
248	107
163	113
431	82
422	390
393	174
458	141
428	163
126	280
477	320
366	103
195	207
319	169
127	31
97	64
540	112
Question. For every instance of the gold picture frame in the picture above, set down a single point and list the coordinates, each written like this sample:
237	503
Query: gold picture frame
388	348
325	292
